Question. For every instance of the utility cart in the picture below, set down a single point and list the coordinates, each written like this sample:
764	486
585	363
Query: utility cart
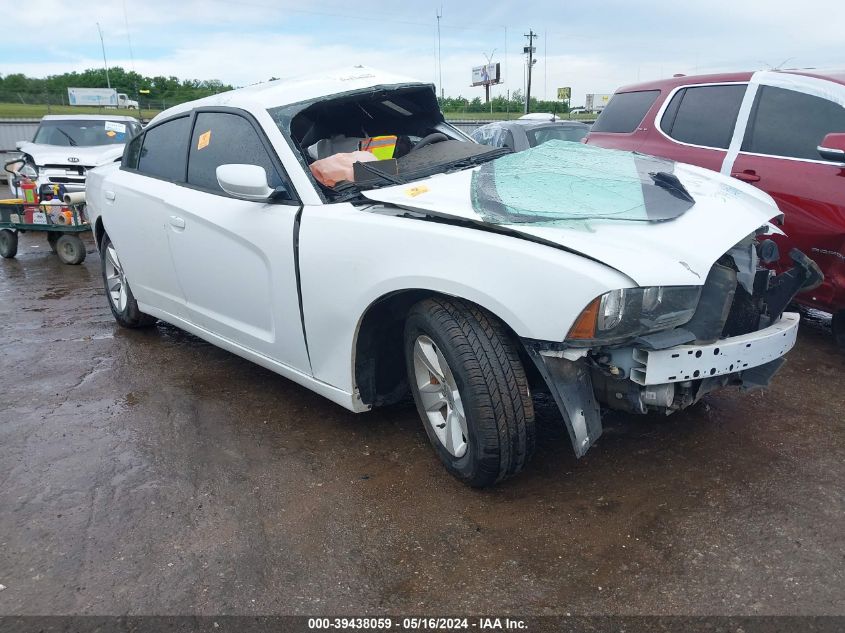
62	223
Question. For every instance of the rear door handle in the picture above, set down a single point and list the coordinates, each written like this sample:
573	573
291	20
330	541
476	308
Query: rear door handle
177	222
749	175
109	195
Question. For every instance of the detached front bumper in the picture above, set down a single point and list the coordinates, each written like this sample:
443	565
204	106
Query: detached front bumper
664	380
727	356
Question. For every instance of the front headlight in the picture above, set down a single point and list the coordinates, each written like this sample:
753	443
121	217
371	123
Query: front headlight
29	170
620	315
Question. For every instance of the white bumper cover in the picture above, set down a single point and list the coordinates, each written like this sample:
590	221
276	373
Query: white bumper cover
730	355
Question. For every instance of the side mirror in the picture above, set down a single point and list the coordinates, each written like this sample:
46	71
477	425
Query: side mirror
248	182
833	147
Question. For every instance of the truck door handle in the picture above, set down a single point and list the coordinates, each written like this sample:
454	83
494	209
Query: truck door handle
749	175
177	222
109	195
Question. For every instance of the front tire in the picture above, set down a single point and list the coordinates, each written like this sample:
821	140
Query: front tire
122	302
470	389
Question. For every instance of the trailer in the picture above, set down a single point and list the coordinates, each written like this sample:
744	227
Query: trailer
62	223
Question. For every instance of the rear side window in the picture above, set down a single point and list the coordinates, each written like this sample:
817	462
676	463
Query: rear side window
625	111
703	115
538	136
791	124
494	135
163	150
221	138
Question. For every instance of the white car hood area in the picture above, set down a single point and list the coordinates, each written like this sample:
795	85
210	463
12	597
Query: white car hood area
91	156
657	221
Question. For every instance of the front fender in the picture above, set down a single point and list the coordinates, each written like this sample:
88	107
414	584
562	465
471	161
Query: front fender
350	258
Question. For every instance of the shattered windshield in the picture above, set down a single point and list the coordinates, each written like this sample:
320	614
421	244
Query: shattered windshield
560	180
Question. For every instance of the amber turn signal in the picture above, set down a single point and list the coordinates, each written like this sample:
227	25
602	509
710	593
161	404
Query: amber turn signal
585	325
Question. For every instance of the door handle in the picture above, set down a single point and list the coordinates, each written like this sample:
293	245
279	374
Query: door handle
177	222
749	175
109	195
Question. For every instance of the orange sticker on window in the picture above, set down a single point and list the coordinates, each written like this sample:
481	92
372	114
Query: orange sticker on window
111	133
204	140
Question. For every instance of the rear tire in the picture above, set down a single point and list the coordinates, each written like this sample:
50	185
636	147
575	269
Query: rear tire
838	326
461	359
70	249
122	302
8	243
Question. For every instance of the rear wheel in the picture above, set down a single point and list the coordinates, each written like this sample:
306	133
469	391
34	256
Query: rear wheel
8	243
122	302
838	325
470	389
70	249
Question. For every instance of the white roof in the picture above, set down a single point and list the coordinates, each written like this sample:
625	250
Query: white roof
88	117
286	91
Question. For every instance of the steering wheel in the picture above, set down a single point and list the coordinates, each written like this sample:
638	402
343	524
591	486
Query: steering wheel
436	137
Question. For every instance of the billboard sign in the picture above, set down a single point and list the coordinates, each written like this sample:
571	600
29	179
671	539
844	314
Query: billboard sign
486	75
564	94
92	97
596	102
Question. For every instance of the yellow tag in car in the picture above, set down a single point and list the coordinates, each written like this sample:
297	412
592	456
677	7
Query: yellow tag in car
413	192
204	140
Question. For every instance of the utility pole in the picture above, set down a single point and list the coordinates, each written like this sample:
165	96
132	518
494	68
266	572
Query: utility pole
105	63
439	56
529	50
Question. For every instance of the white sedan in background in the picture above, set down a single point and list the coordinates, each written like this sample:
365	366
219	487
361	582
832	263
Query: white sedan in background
465	273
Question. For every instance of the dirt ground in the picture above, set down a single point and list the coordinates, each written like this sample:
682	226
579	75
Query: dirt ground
147	472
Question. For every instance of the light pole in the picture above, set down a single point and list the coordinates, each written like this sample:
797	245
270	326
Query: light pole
105	63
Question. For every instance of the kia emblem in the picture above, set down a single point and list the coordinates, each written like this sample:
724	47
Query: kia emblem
72	159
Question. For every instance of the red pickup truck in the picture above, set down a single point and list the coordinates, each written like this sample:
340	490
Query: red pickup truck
782	131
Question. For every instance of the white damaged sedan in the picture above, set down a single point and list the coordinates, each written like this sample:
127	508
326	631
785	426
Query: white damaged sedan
468	275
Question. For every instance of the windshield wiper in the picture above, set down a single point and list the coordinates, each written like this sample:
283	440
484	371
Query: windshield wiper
68	136
480	158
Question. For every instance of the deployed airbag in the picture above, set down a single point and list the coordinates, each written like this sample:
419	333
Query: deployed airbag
333	169
561	180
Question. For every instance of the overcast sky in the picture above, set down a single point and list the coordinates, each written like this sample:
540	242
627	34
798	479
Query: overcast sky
591	46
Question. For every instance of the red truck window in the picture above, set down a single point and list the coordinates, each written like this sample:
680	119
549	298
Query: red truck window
789	123
703	115
625	111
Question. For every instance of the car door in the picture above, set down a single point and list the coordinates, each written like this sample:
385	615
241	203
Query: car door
235	258
779	155
696	124
151	173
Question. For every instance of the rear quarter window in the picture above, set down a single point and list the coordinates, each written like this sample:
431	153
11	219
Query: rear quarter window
625	111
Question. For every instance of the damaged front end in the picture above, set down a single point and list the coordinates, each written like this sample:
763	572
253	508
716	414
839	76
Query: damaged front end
663	348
